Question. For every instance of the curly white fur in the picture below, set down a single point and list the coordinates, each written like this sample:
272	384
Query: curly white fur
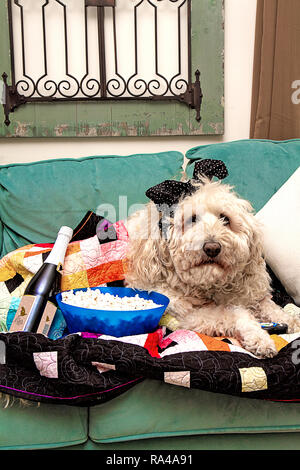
227	294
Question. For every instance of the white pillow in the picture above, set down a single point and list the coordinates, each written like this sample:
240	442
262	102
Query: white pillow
280	218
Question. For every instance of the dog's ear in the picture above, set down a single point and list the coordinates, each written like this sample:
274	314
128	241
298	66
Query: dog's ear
147	263
252	228
256	246
256	260
257	276
148	258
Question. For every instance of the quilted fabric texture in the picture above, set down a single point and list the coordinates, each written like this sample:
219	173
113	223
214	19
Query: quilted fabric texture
88	369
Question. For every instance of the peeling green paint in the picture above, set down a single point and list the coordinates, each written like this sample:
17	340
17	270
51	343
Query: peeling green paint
132	118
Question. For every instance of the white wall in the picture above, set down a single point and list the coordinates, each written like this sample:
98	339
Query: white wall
239	44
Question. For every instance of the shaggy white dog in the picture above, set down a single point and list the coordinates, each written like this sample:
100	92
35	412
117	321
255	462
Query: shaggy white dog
209	262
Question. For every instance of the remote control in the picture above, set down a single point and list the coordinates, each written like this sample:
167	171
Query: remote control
274	328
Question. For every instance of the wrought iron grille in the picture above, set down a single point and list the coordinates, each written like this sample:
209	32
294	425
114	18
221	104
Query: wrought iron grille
50	63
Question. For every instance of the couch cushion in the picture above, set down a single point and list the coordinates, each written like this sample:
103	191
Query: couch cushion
281	216
257	168
154	409
31	426
37	198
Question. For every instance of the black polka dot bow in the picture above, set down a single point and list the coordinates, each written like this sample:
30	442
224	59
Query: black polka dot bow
169	192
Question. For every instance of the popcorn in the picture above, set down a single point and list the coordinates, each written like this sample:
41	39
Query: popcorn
95	299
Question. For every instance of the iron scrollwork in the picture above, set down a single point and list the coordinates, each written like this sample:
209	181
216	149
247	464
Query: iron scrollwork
100	86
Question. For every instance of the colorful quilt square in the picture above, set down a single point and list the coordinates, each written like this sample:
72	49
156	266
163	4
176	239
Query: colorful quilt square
253	379
75	281
73	263
73	247
36	251
105	273
90	252
112	251
214	344
33	263
178	378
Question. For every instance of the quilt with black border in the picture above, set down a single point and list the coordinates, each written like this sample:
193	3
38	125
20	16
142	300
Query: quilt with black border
87	369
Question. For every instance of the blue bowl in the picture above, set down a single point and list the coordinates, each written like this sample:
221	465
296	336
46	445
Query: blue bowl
114	322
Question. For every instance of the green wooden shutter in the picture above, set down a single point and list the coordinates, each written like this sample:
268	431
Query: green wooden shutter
131	118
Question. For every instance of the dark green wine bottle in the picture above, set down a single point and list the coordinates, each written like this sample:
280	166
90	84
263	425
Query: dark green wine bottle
35	311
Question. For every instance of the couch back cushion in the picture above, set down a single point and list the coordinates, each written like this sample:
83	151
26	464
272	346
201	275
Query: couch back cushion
37	198
257	168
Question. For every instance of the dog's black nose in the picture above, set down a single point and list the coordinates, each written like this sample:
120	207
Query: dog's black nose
212	249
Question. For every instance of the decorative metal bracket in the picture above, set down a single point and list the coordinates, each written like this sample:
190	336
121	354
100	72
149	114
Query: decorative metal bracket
12	99
193	96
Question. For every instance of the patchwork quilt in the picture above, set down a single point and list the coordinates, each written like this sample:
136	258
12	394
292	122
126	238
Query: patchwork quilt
85	369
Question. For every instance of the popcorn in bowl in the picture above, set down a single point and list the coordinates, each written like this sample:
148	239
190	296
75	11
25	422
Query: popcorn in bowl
94	298
113	311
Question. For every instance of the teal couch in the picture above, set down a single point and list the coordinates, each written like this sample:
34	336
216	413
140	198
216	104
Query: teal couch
35	200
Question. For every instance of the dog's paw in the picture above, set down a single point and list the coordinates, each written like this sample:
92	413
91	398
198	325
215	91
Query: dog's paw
293	323
181	308
262	346
264	351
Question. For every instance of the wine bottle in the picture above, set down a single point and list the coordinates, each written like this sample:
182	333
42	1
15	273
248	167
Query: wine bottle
36	312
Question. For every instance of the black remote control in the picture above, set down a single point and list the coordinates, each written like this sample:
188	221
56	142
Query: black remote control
274	328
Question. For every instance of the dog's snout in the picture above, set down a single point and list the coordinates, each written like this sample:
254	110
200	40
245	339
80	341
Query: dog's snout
212	249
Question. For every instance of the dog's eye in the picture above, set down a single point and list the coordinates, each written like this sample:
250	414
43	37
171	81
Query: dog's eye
225	219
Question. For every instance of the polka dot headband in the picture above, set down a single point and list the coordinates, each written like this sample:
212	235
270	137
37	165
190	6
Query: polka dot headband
169	192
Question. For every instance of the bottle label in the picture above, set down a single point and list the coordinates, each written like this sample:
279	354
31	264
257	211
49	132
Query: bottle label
47	318
22	314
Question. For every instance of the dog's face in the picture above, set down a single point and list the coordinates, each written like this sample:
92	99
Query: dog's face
212	241
213	236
